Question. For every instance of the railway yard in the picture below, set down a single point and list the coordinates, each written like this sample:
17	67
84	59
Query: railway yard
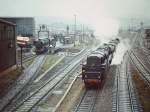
74	56
60	88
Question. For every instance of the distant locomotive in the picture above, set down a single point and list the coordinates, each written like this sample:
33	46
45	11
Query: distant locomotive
41	45
98	62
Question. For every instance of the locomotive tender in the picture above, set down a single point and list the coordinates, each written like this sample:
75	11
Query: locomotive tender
98	62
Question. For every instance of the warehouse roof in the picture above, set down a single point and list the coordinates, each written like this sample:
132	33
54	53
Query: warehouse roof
7	22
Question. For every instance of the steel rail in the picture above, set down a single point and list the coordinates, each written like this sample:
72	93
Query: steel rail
129	87
87	102
11	101
117	94
124	98
17	93
40	93
140	67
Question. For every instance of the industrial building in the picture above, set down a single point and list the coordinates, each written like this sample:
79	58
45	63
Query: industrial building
25	26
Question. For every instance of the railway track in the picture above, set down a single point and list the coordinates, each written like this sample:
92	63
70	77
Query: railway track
31	100
87	102
20	84
142	55
142	69
36	96
124	98
146	50
40	93
68	83
27	58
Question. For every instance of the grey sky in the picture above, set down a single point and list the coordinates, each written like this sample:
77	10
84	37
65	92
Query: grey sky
115	8
102	14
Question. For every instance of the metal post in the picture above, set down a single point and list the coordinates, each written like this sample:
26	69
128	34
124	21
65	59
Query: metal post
74	30
83	34
38	34
21	57
49	38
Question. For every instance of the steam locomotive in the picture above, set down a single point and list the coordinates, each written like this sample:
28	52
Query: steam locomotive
98	62
44	44
41	45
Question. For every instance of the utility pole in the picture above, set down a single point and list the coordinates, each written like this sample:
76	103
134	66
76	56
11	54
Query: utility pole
74	29
132	23
83	33
141	25
67	32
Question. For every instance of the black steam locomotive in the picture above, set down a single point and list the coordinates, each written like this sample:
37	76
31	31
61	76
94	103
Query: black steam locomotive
98	62
41	45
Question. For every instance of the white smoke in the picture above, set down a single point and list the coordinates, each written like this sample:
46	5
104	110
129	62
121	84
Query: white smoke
122	47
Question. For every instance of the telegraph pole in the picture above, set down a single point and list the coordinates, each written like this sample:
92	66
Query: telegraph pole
83	33
74	29
141	25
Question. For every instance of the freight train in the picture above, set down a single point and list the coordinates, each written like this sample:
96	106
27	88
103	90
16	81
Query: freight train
98	62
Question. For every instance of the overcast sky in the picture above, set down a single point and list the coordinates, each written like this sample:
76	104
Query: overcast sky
67	8
89	11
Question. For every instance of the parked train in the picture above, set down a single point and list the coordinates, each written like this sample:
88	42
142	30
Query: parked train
45	44
98	62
